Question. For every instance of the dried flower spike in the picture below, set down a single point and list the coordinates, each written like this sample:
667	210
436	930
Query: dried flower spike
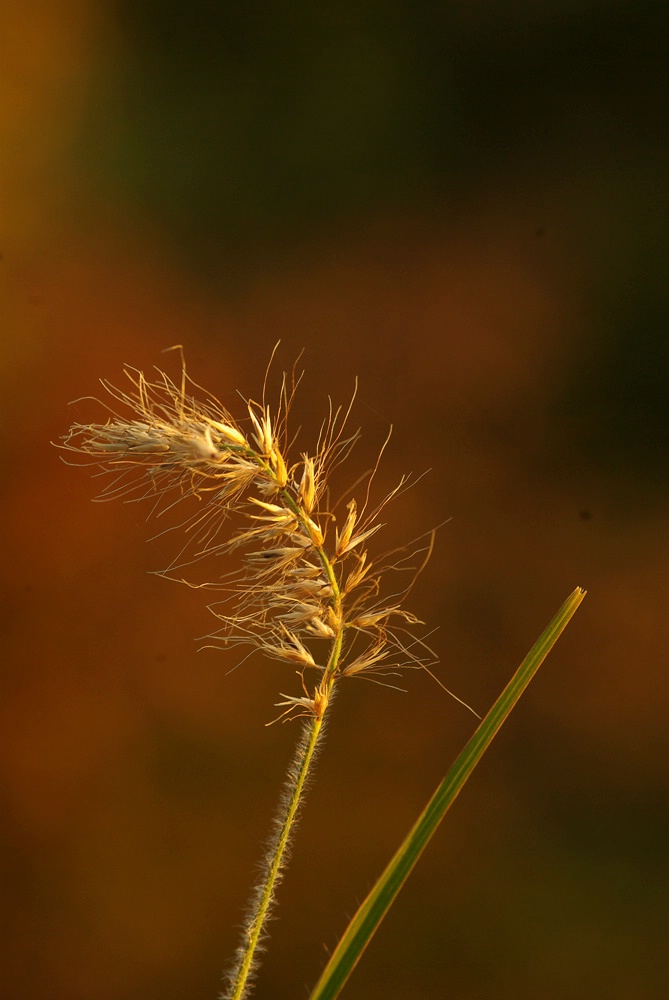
306	592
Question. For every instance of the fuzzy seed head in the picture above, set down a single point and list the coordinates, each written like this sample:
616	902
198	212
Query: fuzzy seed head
299	596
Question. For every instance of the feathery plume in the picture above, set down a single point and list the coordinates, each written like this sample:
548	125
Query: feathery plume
307	592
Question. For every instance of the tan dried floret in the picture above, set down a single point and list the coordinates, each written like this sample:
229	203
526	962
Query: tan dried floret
308	484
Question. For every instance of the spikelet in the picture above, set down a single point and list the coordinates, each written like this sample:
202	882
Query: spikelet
302	596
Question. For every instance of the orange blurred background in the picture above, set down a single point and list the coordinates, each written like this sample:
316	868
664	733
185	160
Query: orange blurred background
466	206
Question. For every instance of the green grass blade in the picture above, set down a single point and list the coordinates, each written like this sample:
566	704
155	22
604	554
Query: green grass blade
371	913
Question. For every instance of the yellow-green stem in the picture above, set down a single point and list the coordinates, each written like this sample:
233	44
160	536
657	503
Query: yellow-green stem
297	777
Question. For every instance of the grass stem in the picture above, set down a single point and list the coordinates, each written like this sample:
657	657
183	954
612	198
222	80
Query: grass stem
284	823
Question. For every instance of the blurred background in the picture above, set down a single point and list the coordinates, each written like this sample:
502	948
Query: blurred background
465	204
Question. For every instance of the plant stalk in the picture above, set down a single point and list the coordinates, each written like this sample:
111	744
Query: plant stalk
284	823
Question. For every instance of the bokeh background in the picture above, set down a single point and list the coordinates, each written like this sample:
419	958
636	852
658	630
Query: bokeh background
466	204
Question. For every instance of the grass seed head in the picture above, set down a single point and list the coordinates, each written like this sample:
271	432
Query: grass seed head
296	596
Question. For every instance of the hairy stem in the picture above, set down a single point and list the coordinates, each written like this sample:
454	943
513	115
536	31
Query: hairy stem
285	820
